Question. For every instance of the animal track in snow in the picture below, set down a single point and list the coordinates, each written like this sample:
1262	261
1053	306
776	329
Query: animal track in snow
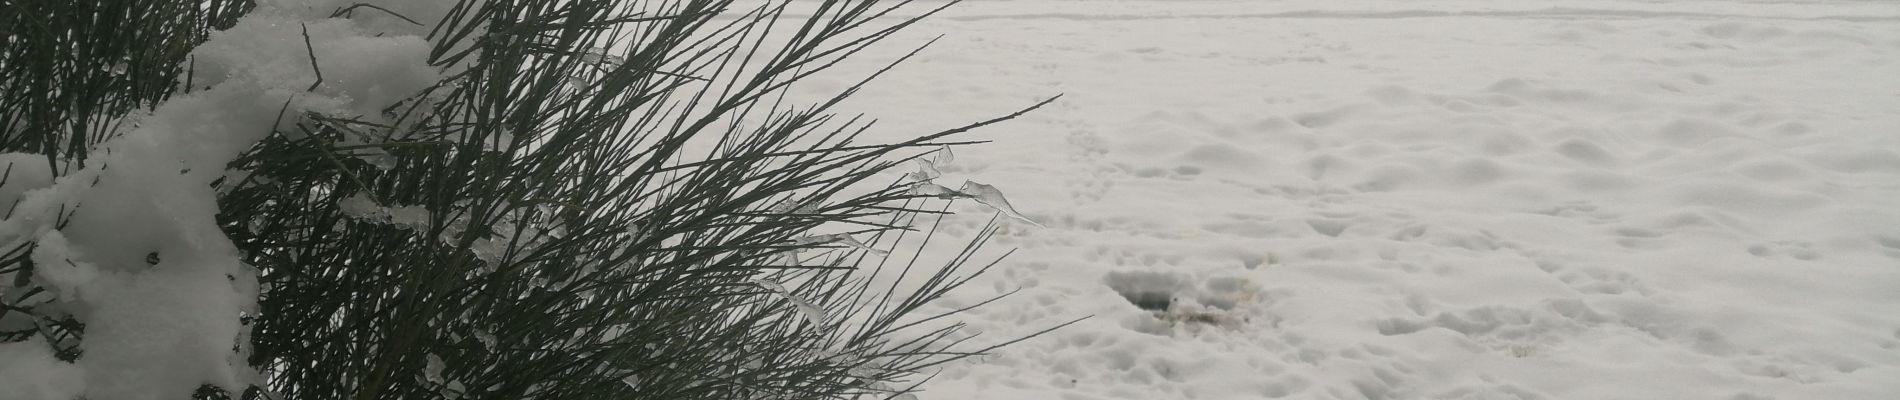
1795	249
1892	248
1505	329
1085	152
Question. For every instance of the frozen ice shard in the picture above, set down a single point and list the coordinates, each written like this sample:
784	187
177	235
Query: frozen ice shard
989	196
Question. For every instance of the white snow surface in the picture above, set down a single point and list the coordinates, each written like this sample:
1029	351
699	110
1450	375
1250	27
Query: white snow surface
1423	200
1353	199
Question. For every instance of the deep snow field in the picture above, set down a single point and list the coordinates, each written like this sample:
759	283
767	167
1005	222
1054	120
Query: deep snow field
1425	200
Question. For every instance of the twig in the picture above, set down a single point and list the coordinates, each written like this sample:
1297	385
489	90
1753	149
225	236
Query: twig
347	12
312	51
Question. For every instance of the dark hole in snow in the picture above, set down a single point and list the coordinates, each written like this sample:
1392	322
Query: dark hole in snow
1153	291
1151	301
151	258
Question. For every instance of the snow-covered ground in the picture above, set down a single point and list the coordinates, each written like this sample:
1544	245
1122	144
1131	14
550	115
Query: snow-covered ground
1410	200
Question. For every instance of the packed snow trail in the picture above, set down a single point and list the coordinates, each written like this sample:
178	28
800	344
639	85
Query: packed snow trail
1448	200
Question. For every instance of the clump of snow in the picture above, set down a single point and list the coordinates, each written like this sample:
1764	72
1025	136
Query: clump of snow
31	372
60	267
488	341
362	207
432	371
140	259
22	172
